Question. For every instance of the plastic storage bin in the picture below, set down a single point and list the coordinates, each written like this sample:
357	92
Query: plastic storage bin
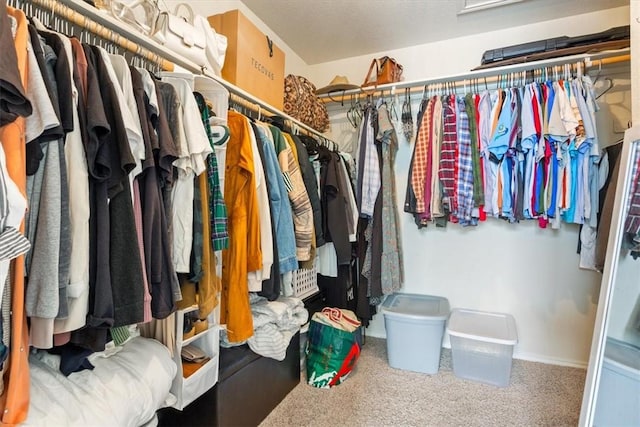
618	401
415	327
482	345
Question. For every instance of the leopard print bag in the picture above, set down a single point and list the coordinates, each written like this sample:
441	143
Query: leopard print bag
301	102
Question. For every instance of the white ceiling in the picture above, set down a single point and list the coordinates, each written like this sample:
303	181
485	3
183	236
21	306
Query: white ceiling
326	30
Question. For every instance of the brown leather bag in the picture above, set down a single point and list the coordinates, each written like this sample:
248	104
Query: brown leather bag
387	70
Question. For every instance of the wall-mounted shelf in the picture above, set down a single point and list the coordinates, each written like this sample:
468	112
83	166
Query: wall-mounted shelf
489	75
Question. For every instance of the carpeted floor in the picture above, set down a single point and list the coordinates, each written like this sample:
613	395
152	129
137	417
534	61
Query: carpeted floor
377	395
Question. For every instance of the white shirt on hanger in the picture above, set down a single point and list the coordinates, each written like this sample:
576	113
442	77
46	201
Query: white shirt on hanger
79	211
255	278
130	117
194	147
123	77
149	89
17	206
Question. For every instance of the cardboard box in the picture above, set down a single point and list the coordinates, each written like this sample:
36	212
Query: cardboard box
253	62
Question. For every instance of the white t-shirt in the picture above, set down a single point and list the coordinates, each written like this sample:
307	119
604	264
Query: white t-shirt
194	148
79	212
255	278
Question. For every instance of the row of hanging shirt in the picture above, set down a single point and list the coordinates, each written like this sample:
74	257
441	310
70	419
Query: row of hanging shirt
112	154
516	153
380	247
135	159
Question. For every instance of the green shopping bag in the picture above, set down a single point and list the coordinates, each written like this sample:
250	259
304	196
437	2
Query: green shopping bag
332	352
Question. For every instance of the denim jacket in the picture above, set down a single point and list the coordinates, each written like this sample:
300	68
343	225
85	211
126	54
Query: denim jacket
281	213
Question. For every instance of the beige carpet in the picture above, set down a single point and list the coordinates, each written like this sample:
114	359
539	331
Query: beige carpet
378	395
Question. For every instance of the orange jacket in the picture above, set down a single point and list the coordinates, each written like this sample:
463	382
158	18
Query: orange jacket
244	254
14	402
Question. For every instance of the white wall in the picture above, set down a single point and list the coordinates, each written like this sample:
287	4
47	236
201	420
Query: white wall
293	63
462	54
518	269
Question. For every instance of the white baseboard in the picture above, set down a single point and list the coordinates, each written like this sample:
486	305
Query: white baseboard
550	360
530	357
374	334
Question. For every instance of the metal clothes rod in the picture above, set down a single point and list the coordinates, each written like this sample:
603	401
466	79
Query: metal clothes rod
169	58
491	75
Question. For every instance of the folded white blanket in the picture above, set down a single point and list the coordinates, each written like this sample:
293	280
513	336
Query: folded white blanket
274	324
124	389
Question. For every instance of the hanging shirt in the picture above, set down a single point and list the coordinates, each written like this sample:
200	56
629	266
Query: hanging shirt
510	190
121	76
149	89
557	135
281	208
391	260
485	108
78	175
194	149
499	147
478	190
594	155
529	144
13	99
155	232
500	138
15	404
370	165
300	203
465	166
217	209
264	216
447	170
426	216
350	201
436	145
13	206
420	159
43	300
580	161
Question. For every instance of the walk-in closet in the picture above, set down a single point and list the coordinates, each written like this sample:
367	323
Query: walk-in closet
314	213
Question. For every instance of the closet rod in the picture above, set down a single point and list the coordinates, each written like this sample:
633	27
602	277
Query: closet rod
491	75
96	22
104	19
257	108
263	105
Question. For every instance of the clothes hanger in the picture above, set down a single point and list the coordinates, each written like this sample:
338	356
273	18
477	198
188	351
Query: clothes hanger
359	111
394	111
350	112
219	134
310	143
406	106
609	87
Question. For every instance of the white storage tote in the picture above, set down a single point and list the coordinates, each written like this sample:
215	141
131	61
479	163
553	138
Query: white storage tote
482	345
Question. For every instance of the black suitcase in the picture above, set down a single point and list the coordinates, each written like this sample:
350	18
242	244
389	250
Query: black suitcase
549	46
